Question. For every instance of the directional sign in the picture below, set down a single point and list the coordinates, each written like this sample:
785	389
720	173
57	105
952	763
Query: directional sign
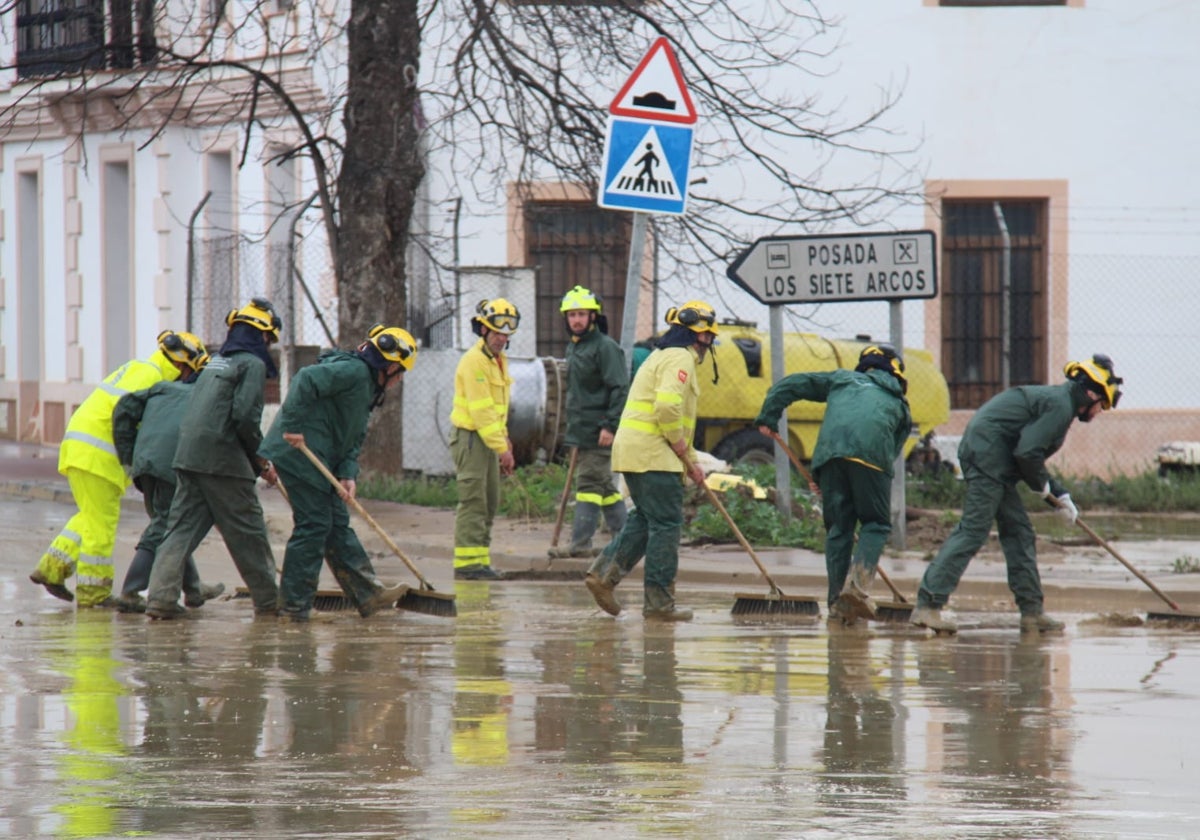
655	90
646	166
835	268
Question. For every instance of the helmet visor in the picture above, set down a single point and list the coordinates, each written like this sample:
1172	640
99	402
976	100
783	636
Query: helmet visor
504	321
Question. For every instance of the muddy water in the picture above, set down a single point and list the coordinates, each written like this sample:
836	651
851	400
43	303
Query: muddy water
533	715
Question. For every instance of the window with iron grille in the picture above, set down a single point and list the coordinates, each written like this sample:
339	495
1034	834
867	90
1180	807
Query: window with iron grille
973	340
68	36
571	243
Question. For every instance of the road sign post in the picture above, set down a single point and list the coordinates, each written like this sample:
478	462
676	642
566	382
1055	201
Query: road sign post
647	157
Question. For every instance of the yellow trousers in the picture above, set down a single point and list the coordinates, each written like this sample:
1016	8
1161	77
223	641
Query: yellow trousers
86	543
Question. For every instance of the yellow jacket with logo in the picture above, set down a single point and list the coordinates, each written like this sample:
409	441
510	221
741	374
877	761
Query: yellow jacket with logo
88	443
481	393
661	409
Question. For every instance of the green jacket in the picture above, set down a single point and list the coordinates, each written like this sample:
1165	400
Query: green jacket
222	428
329	403
866	415
1012	434
146	428
597	384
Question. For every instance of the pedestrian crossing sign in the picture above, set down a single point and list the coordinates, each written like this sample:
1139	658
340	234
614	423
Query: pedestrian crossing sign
646	166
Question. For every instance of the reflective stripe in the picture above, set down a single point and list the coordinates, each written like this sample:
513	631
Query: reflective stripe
473	555
610	500
70	535
639	405
482	402
640	426
668	397
92	440
484	431
112	390
87	580
589	498
864	463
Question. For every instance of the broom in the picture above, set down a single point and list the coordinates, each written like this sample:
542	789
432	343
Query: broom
899	610
1176	613
423	600
774	603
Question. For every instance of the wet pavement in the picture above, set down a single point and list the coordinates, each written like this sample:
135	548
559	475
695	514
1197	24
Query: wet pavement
533	714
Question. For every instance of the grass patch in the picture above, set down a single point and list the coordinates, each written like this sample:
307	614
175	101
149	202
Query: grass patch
758	519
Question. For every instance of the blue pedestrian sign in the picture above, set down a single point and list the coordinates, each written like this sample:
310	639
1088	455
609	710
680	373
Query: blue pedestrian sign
646	166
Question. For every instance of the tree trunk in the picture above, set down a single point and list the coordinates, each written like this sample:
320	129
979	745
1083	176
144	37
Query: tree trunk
377	187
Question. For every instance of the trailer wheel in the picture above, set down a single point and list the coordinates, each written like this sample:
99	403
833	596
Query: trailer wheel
749	446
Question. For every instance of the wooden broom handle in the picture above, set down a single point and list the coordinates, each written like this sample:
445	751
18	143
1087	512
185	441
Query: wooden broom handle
812	485
358	508
562	503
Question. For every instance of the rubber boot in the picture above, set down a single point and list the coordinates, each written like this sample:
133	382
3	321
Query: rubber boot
583	525
615	516
602	578
1040	623
854	600
137	578
659	604
931	617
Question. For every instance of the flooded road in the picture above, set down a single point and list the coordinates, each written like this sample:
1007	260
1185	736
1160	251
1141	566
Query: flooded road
534	715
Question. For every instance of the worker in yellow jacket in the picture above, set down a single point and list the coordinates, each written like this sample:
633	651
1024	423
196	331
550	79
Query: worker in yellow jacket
652	450
88	459
479	441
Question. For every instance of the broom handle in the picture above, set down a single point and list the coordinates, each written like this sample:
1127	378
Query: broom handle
816	491
712	497
358	508
812	485
1101	541
562	503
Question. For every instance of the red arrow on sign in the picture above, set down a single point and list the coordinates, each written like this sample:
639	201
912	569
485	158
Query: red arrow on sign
655	90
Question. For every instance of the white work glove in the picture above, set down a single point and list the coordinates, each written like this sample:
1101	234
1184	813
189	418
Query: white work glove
1067	509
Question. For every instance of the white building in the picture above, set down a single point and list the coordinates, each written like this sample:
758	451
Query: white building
1077	119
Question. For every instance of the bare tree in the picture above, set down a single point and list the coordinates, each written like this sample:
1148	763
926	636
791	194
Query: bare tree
505	92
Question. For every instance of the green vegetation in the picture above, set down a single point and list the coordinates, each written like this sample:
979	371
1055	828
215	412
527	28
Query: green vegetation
1186	565
533	493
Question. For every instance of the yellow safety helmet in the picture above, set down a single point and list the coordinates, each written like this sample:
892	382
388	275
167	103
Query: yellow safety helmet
580	298
883	357
498	315
1098	375
259	314
183	347
696	315
394	344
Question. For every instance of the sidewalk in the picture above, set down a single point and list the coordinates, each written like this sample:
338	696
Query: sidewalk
1075	579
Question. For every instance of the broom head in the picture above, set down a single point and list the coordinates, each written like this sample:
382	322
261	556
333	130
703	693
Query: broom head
893	612
1174	616
429	602
774	605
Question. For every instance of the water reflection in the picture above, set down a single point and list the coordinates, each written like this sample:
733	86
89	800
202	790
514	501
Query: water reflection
861	772
89	768
1000	737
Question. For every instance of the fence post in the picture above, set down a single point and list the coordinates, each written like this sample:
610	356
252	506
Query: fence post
191	258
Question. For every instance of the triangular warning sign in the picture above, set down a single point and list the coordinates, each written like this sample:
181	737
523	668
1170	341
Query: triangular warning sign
645	173
655	90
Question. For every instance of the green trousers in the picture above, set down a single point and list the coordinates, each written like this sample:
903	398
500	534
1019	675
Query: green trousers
853	493
321	532
477	475
652	531
987	501
231	504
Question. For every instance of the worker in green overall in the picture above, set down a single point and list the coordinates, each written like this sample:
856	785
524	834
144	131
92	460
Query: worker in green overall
327	408
597	383
1006	442
866	422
